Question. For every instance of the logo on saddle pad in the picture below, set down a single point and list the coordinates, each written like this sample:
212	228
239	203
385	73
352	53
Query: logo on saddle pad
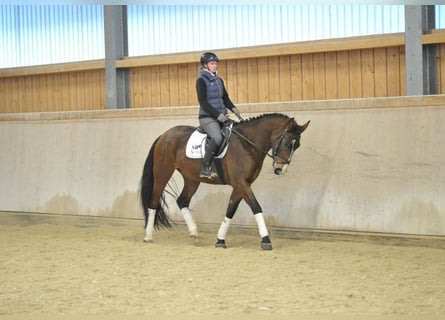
195	148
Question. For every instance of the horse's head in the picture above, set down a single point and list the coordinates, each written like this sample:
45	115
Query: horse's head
285	144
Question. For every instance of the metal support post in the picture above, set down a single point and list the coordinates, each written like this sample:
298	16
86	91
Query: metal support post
421	73
116	47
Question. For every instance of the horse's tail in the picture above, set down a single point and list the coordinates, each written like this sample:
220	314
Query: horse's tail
146	192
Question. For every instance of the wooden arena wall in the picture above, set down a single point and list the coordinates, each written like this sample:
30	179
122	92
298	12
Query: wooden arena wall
369	165
359	67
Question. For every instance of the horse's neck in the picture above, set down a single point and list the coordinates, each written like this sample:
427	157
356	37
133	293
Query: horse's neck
260	134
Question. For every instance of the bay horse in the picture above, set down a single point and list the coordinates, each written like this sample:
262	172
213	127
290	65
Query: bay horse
250	143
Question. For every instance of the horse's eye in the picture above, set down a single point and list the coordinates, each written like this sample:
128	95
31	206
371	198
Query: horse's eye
290	142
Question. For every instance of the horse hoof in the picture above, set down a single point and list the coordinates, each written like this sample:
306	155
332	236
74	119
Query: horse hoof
148	240
266	244
195	238
221	244
194	234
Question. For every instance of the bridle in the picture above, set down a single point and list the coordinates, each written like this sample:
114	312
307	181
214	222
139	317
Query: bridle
279	145
275	153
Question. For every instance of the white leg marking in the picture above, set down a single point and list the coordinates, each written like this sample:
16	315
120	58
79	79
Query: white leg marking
191	225
222	232
150	226
261	224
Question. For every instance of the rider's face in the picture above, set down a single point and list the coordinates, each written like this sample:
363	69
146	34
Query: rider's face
212	66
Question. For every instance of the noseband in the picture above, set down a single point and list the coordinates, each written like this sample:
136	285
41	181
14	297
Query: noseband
276	153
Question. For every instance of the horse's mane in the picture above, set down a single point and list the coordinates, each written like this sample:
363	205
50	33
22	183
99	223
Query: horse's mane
262	116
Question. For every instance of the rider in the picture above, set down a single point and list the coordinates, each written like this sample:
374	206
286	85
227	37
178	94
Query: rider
214	102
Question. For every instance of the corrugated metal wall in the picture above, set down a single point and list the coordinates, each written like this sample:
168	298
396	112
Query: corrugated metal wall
167	29
42	34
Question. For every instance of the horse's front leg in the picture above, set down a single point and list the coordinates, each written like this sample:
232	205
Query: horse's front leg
235	199
257	211
259	218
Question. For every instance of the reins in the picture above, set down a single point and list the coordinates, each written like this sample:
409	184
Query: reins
272	156
253	143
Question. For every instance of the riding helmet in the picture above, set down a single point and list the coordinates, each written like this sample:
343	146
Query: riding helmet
207	57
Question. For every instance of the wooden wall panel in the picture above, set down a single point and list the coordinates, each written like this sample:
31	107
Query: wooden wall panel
72	94
274	78
53	92
296	77
28	102
193	72
88	97
319	76
64	103
242	81
173	78
331	75
231	80
308	76
286	76
147	86
368	89
343	86
355	74
285	79
13	87
263	80
5	91
393	71
183	85
402	72
167	85
155	80
380	72
164	86
136	85
21	99
39	91
252	80
80	92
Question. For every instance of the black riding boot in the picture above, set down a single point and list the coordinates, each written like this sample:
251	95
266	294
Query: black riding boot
206	169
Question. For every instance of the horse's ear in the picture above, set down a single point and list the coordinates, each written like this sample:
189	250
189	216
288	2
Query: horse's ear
304	126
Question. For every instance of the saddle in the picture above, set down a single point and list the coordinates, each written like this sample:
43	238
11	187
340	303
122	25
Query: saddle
195	148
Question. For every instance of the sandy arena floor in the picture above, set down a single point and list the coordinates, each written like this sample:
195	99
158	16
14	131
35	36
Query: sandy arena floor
108	270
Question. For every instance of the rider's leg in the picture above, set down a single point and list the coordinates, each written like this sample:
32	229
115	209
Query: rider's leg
213	129
206	168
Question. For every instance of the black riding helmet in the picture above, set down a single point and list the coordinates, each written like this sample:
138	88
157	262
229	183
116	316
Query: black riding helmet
207	57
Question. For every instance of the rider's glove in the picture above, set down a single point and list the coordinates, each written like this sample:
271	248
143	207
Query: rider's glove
222	118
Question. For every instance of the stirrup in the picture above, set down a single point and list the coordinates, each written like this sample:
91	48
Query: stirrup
206	172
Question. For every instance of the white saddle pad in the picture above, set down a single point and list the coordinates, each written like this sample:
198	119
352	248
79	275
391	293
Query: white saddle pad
195	148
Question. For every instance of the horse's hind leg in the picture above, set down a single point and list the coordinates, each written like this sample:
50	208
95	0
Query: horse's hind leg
161	177
190	187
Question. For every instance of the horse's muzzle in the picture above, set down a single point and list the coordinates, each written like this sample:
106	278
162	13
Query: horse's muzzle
280	169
